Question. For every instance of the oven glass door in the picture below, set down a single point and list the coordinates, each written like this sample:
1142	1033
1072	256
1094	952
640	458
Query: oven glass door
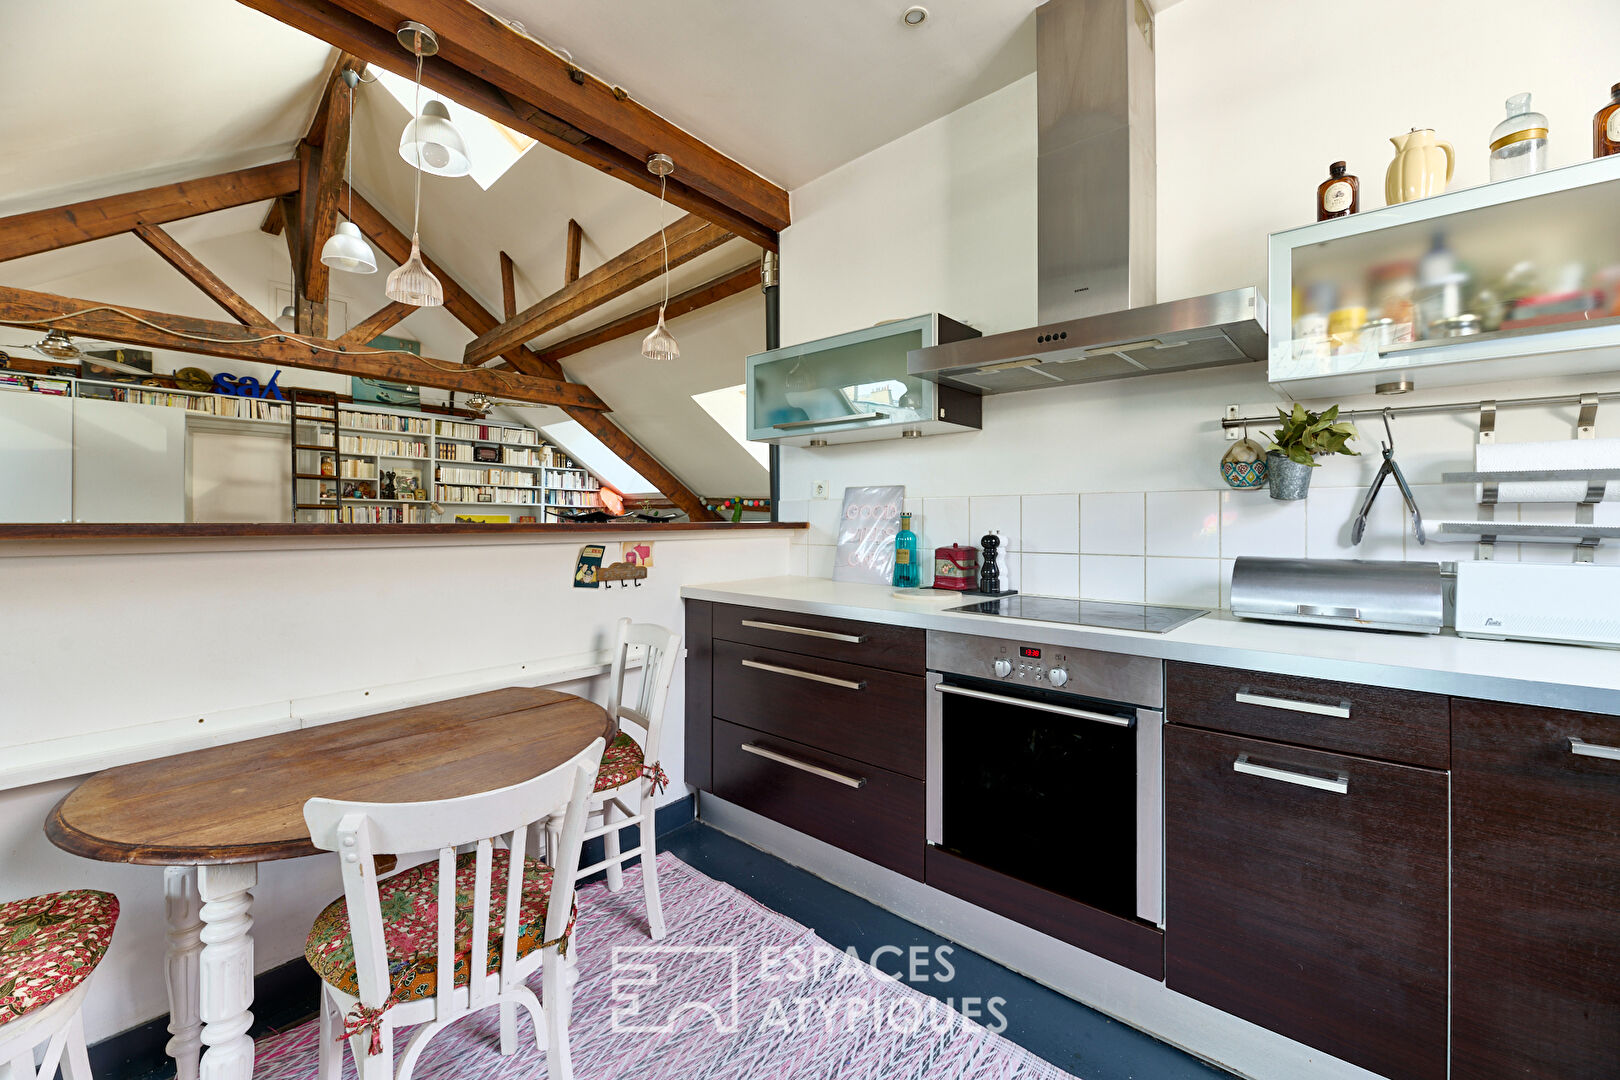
1044	797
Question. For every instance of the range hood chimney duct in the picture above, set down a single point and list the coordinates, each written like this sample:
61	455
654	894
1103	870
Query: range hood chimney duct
1097	207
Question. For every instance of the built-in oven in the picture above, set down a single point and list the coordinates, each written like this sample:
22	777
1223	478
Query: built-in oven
1045	767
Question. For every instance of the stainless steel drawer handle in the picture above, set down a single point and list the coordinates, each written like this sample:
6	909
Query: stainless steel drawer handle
805	631
803	766
1315	708
1339	785
1041	706
1597	750
847	684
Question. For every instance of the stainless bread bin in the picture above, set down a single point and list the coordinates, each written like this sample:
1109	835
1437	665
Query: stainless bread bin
1352	593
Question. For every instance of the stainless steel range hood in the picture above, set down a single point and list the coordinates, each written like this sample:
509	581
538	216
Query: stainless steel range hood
1096	236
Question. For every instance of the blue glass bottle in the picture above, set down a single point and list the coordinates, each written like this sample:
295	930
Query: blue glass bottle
906	572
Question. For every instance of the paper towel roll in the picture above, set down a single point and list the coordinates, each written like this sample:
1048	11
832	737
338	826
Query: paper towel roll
1564	454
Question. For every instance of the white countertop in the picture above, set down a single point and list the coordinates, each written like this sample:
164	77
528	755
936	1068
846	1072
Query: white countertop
1556	676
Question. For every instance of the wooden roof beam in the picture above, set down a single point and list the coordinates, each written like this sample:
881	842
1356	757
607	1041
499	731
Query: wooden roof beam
688	238
93	219
576	241
170	251
378	322
316	134
153	329
705	183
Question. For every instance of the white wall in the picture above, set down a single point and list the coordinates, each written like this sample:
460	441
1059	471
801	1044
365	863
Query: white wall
1255	98
93	638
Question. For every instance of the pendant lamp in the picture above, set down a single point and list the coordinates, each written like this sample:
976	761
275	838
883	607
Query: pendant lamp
414	283
660	344
346	249
432	139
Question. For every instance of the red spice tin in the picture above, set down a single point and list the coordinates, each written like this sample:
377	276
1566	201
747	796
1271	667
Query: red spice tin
956	567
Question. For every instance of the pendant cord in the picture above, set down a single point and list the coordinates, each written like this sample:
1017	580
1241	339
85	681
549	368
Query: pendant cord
348	159
663	183
416	214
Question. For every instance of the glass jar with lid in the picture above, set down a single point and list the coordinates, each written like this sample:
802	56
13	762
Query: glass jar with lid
1519	143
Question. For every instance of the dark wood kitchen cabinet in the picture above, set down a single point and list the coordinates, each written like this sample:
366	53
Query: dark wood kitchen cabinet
1536	893
815	722
1305	891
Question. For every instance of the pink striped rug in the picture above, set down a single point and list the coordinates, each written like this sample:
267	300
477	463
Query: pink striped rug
735	991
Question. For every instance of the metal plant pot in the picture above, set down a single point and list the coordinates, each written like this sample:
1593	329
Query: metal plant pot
1288	479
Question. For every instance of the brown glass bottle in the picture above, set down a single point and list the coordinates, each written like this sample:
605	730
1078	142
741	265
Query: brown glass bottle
1338	195
1606	126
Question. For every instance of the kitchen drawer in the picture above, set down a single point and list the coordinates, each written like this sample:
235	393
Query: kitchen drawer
867	811
1319	912
1535	893
865	714
868	644
1394	725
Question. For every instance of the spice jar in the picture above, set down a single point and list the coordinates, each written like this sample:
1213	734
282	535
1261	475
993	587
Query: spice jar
1606	126
1338	195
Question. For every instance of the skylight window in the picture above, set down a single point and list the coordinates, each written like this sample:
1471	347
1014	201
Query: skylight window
493	147
728	407
592	453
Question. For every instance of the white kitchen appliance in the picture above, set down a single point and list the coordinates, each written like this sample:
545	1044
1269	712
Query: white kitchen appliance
1574	604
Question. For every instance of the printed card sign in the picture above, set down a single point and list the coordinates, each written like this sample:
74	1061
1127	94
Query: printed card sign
866	533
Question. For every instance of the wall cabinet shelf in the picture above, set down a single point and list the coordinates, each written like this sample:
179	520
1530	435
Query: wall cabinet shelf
854	387
1532	265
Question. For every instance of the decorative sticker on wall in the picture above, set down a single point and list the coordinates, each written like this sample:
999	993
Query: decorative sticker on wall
588	569
636	553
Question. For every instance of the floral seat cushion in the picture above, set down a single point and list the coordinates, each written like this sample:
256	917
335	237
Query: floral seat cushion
410	912
623	761
49	945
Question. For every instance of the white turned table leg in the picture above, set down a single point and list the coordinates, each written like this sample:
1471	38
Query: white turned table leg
181	905
226	970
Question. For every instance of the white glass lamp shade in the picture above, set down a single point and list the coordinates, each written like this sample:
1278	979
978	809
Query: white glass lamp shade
414	283
660	344
443	150
288	319
347	250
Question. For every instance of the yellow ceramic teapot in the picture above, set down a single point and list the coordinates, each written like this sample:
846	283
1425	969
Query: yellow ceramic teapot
1417	171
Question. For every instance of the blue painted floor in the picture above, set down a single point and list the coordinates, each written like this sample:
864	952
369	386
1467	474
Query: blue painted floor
1062	1031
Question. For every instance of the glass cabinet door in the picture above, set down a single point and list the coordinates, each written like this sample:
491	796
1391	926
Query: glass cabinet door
837	387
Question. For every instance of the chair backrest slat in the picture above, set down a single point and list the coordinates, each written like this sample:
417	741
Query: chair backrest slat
659	650
361	831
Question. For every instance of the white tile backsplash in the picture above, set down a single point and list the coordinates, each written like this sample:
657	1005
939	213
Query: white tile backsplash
1050	574
1330	513
1112	523
1184	523
1051	523
1112	577
949	521
820	560
823	517
1253	523
1192	582
799	560
999	514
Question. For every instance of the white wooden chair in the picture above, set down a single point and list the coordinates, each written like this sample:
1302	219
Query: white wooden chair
631	774
450	936
49	947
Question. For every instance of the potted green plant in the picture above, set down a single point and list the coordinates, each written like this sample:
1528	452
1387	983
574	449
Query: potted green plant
1304	437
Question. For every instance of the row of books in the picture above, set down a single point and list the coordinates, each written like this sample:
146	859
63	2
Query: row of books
501	477
234	408
370	421
360	444
573	498
370	515
448	451
553	458
488	433
572	481
455	493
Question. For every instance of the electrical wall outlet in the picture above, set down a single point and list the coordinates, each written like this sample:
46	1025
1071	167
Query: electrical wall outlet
818	489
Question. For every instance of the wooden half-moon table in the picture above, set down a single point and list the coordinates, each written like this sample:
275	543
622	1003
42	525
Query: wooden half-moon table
211	816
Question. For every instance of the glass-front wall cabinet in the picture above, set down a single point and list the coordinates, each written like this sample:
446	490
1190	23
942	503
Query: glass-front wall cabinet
1505	280
854	387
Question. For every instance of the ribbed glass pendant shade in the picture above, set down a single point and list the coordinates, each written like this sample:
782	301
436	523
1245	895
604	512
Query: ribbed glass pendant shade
443	151
414	283
347	250
660	344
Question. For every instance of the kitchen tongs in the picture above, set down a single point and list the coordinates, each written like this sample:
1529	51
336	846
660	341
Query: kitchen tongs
1388	468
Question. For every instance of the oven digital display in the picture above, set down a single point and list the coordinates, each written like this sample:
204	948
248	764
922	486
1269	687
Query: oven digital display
1028	653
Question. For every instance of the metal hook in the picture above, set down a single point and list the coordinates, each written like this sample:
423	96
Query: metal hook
1391	435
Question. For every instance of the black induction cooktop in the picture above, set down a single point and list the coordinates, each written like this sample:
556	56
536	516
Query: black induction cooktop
1149	618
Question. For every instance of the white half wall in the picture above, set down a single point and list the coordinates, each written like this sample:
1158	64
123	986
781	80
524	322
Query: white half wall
97	638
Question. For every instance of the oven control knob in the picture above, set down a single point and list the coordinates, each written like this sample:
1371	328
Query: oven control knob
1057	676
1003	668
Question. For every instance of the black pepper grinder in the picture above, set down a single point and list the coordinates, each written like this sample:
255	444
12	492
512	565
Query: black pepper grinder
989	572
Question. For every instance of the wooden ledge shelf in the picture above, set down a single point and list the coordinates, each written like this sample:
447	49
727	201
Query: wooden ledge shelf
214	531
